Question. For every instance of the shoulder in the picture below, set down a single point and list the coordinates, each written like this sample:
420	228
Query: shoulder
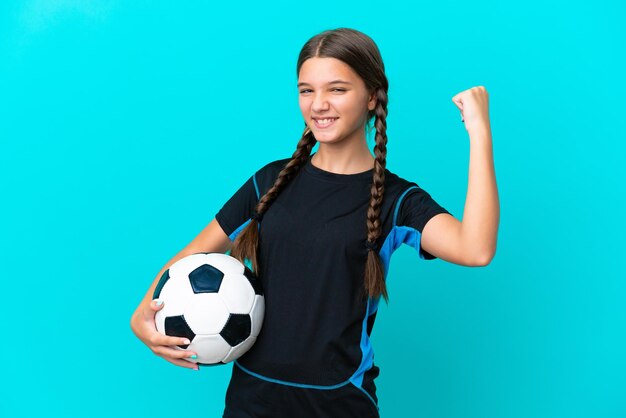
411	202
397	186
272	168
265	176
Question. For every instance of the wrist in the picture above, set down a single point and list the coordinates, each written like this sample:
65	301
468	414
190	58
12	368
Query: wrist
480	132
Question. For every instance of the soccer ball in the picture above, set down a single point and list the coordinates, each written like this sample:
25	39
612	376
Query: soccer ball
213	300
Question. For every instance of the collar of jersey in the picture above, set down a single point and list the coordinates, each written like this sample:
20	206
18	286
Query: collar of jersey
363	176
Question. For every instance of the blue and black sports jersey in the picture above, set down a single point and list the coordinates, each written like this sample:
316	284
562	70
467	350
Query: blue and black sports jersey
313	356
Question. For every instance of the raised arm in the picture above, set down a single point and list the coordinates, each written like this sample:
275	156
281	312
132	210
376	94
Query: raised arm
472	241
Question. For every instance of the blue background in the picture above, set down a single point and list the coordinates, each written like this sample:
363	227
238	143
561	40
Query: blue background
124	128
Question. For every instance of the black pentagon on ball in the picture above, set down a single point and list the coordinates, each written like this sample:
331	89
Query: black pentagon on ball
176	326
206	279
237	329
164	278
254	281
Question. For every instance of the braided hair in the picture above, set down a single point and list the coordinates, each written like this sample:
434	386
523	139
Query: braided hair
361	53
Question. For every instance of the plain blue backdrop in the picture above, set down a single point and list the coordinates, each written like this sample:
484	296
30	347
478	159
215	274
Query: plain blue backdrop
124	127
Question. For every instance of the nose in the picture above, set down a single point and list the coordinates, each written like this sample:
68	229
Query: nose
320	104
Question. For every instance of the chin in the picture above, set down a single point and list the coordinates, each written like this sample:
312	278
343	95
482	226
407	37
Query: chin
326	138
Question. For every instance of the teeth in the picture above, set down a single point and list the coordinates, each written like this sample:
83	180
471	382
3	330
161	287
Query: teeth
324	121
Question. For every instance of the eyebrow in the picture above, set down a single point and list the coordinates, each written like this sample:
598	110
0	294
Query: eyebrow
330	82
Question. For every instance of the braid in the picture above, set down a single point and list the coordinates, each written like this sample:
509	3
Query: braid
247	242
374	283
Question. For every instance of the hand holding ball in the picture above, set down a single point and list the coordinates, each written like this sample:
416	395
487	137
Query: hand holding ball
213	300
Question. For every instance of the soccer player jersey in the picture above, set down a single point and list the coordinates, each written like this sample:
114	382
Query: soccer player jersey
313	356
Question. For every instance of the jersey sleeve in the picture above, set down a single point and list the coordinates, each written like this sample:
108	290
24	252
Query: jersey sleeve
416	209
237	210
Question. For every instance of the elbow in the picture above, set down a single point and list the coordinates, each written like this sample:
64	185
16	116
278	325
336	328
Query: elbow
484	259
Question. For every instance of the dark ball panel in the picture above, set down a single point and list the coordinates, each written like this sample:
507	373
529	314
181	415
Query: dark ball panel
164	278
176	326
237	329
206	279
254	281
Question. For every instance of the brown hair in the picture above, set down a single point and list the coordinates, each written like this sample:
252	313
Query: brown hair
361	53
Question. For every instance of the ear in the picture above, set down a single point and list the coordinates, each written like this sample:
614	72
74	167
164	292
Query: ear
371	104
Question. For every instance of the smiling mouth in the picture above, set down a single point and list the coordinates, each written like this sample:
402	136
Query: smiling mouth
324	123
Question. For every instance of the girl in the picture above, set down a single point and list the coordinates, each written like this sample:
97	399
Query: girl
319	229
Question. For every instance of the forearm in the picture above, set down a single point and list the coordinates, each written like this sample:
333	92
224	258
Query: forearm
481	214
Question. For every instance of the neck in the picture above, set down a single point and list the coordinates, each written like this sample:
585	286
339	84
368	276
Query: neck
341	159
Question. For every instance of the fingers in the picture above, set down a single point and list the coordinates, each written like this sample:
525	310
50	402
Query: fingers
172	352
150	311
458	102
157	339
160	344
182	363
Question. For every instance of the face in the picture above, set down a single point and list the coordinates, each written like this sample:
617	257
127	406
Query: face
328	88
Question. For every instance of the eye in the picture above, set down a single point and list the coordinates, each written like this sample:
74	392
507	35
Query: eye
335	89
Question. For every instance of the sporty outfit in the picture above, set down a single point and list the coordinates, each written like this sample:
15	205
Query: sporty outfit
313	356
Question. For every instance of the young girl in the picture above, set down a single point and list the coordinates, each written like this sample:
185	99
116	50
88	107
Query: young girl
320	229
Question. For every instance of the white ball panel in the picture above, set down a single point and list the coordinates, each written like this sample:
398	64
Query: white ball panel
187	264
210	348
206	313
257	314
175	294
237	293
225	263
239	350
